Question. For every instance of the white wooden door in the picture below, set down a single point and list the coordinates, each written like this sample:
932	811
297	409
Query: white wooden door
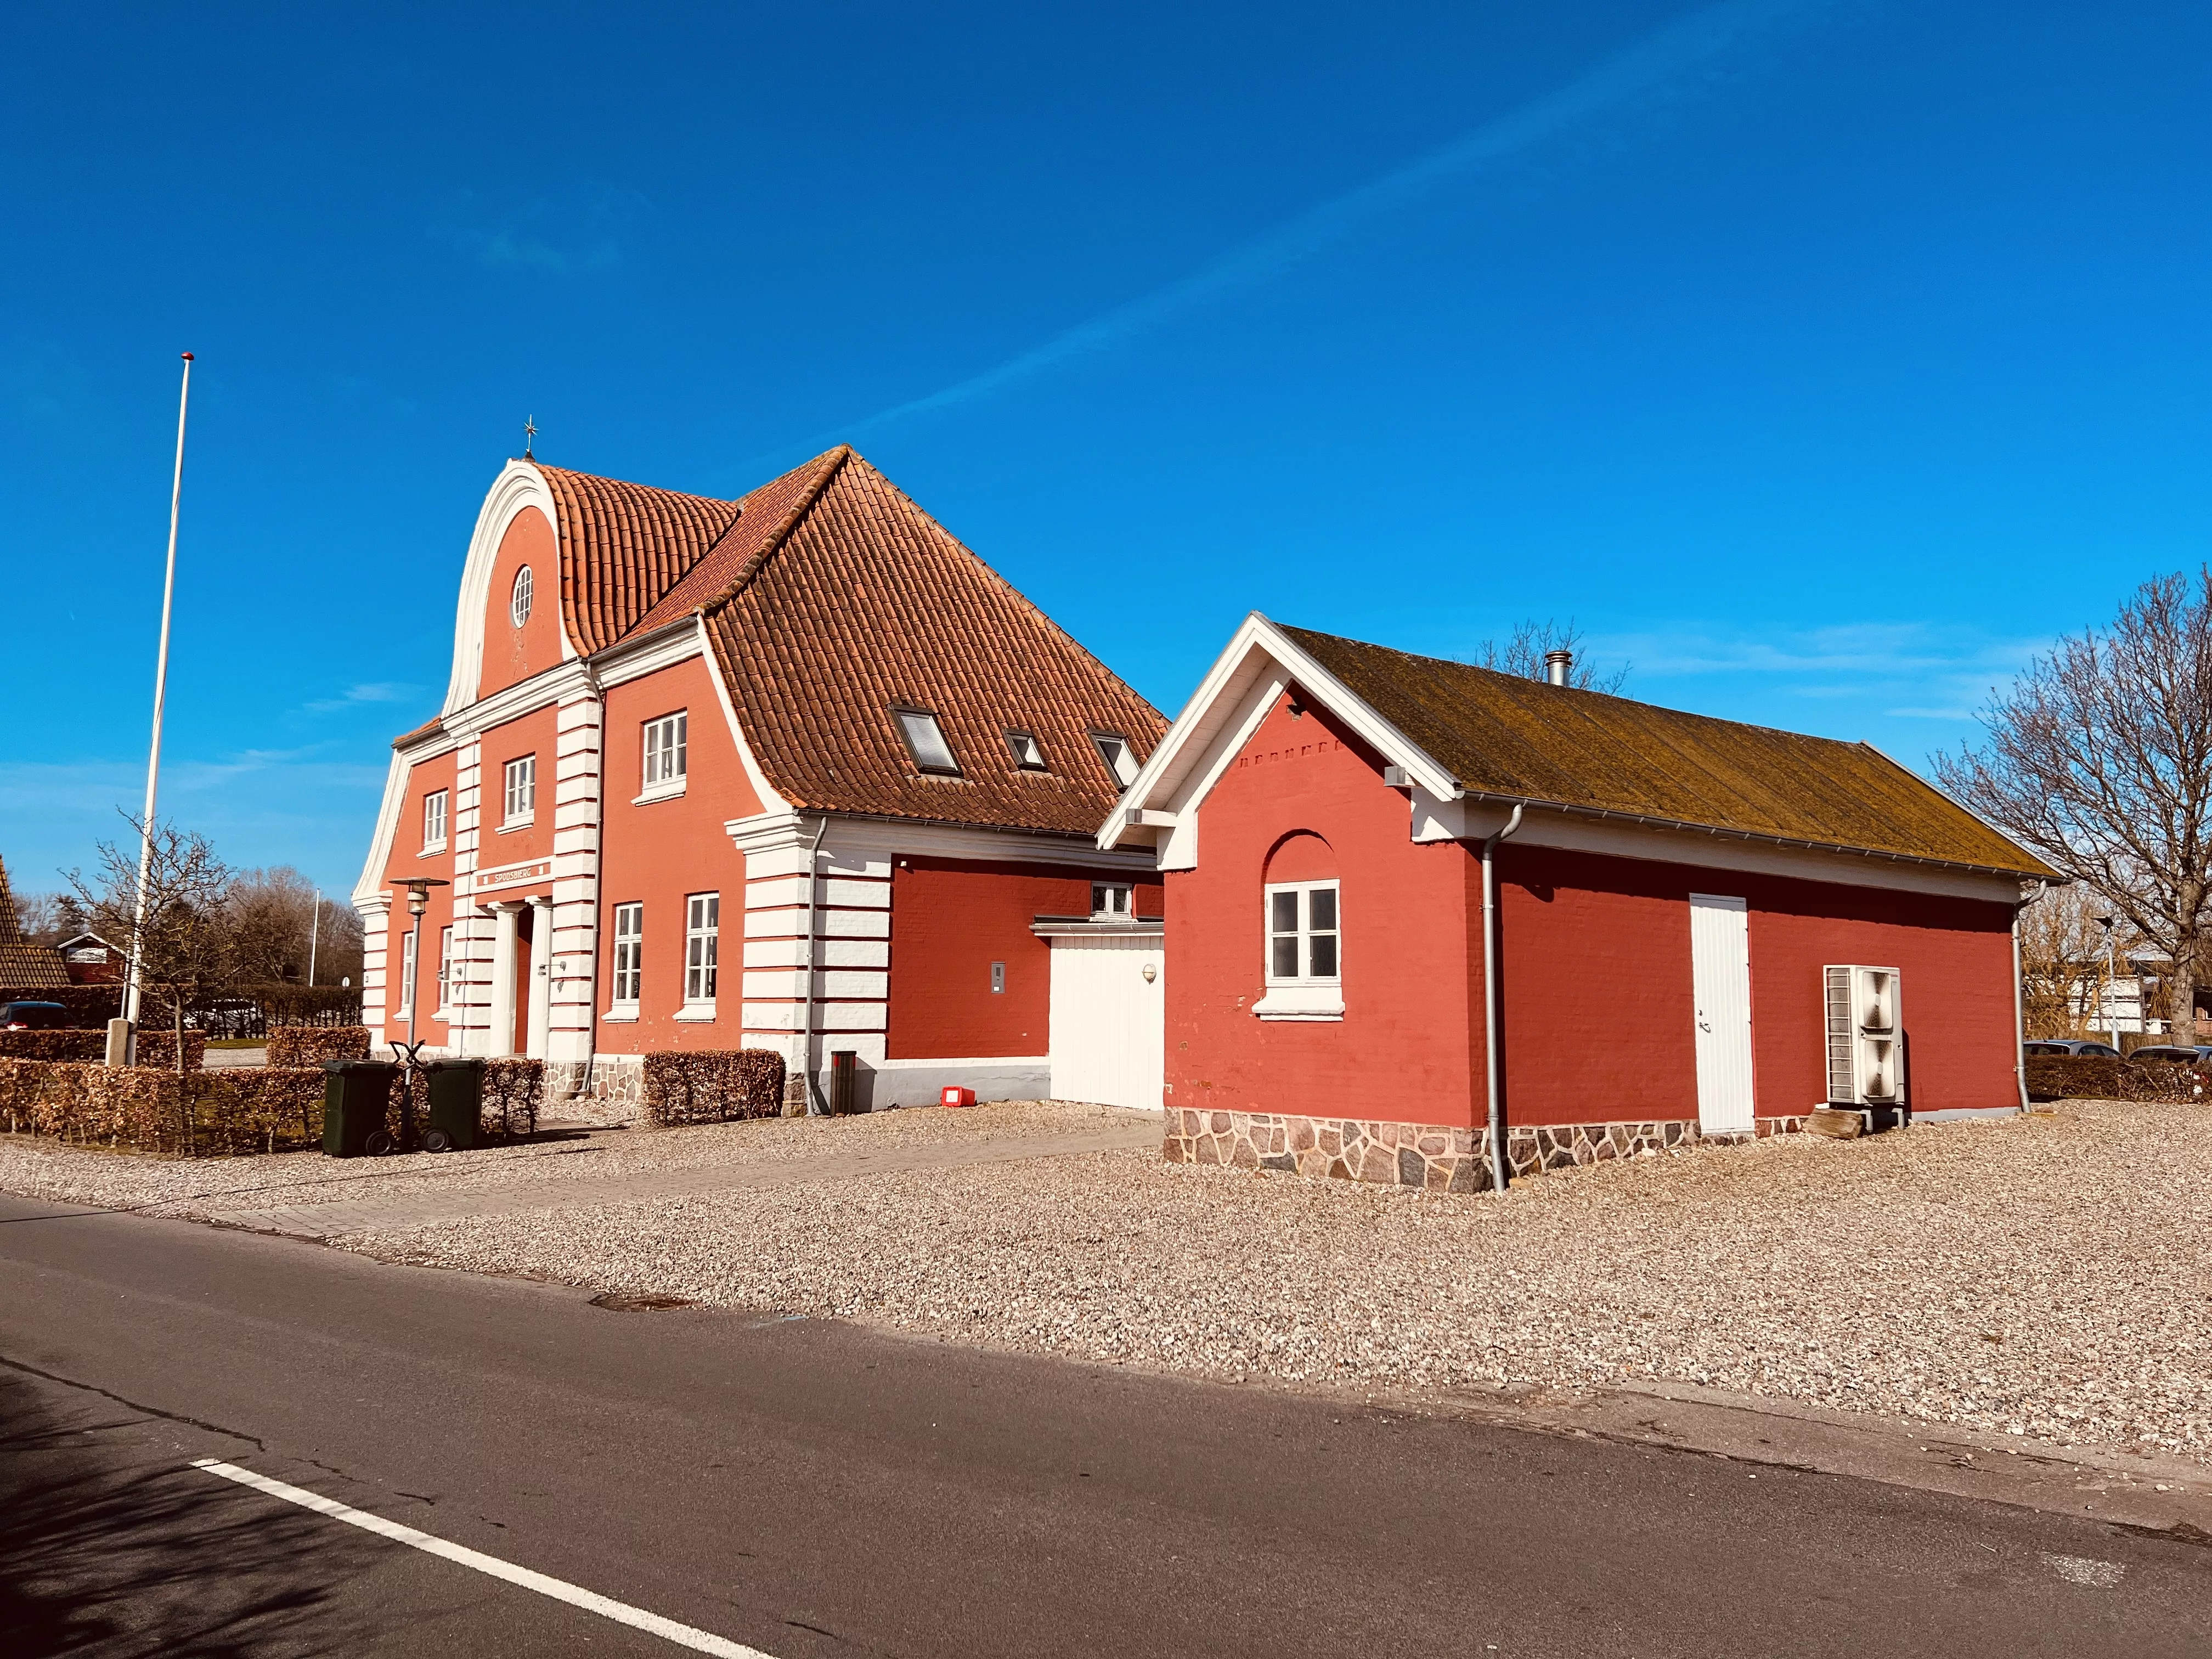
1720	979
1108	1019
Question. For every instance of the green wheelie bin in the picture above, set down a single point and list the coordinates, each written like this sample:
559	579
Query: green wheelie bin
456	1105
356	1093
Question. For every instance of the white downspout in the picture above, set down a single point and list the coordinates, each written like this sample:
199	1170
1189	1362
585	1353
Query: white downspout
815	1105
1491	1012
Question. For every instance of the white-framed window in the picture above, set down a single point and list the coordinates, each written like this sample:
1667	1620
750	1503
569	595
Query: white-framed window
1111	898
445	972
925	741
1028	754
1305	951
404	1004
1120	759
518	605
433	821
668	752
521	791
629	953
702	925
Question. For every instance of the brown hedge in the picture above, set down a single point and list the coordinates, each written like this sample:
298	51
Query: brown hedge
155	1049
90	1006
310	1045
2093	1077
247	1110
713	1085
512	1091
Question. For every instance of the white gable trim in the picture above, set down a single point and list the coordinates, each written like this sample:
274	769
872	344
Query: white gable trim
520	486
1235	695
387	826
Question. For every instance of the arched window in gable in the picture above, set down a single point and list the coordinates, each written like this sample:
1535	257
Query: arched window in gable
1300	903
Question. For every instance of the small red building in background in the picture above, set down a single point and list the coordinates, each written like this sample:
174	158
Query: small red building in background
1701	929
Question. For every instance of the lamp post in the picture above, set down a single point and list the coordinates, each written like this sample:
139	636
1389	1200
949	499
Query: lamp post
418	900
2111	988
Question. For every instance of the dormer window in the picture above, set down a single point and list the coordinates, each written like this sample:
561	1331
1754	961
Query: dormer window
518	606
1111	899
925	741
1027	755
1121	760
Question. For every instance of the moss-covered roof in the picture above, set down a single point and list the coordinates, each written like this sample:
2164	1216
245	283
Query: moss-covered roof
1500	734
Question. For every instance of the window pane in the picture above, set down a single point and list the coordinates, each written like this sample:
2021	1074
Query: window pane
1322	909
1286	962
1324	954
926	742
1285	908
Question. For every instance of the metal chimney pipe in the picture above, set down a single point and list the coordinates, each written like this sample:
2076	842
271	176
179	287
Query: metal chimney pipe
1556	665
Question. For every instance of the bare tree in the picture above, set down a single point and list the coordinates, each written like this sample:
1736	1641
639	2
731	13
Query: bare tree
2064	958
38	918
2100	758
184	947
1523	654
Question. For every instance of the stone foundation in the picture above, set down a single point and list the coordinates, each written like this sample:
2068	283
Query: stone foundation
1419	1154
607	1089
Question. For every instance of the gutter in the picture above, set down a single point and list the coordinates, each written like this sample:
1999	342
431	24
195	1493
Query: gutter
1652	821
1491	1004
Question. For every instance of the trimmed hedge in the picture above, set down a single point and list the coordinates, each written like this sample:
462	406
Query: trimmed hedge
2093	1076
157	1049
242	1110
310	1045
512	1091
713	1085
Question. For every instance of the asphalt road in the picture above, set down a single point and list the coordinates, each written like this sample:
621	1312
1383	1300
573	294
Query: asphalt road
815	1489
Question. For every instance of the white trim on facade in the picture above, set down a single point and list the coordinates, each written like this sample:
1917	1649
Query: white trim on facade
517	488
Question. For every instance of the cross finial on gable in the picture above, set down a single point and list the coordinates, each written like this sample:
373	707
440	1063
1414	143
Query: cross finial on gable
529	437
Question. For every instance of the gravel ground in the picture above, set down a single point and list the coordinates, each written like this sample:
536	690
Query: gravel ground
2049	1276
44	1169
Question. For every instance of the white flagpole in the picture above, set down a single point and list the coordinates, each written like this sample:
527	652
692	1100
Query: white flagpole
160	694
314	937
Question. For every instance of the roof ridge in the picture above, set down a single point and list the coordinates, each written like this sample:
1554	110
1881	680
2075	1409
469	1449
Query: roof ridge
798	509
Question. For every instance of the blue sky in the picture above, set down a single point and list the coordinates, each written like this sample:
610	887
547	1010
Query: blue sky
1823	360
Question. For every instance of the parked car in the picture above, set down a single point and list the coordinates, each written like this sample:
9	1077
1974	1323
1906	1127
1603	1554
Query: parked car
33	1016
2175	1054
2076	1046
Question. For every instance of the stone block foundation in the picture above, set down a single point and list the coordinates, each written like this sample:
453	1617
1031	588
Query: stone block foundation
1420	1155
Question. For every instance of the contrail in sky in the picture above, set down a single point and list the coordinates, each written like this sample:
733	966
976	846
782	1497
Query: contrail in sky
1649	64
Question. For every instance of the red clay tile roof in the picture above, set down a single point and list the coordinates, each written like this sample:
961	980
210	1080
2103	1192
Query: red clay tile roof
434	724
24	966
856	600
765	517
1503	735
623	546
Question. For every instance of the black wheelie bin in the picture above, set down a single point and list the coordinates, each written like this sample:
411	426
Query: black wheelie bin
355	1094
456	1106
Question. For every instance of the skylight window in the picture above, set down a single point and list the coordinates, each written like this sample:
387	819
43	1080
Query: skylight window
925	741
1027	754
1121	760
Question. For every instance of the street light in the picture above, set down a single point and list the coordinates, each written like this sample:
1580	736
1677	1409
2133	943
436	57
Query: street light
418	900
2111	989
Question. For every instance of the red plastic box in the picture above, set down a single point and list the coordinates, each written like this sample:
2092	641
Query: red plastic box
954	1095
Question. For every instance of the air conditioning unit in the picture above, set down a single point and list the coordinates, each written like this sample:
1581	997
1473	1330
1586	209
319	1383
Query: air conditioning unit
1866	1036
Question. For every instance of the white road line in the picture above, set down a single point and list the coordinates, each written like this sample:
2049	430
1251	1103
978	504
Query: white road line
575	1595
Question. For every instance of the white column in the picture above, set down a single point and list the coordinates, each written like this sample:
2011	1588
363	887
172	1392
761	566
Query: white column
541	976
502	980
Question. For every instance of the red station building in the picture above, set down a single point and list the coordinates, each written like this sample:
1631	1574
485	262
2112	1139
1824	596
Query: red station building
1701	929
797	771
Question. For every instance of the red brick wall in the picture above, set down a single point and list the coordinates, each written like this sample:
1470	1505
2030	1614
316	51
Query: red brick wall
1403	1052
950	919
659	854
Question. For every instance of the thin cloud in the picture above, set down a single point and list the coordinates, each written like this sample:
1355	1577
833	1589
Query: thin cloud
1932	713
373	691
1653	64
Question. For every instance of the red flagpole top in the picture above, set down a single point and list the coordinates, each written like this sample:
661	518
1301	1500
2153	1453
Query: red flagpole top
188	357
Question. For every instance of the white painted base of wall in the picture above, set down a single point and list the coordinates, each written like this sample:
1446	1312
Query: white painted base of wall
888	1083
1951	1113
